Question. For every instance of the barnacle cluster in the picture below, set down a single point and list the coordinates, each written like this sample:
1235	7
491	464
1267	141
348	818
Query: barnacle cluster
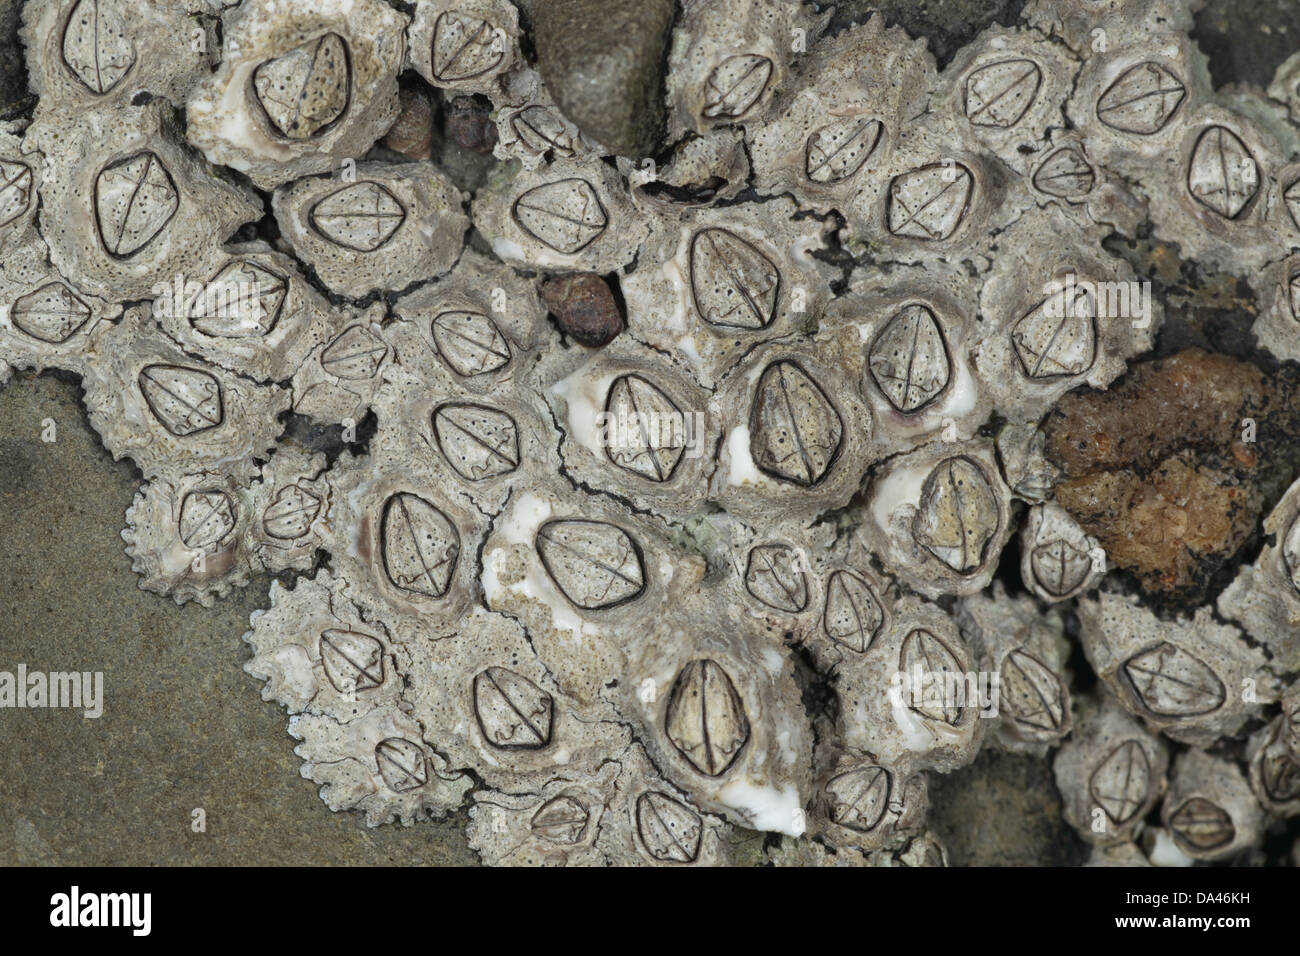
629	602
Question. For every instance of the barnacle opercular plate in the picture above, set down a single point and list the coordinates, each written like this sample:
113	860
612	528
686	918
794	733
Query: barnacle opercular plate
464	45
1209	810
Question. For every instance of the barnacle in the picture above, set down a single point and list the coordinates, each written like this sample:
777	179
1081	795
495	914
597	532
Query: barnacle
749	565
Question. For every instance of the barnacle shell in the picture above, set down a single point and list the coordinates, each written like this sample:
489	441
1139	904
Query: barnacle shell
464	45
1111	772
1058	559
384	227
125	207
152	402
302	86
1209	810
1182	677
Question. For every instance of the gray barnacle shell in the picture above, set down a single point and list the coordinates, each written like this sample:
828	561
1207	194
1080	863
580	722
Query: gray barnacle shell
713	283
153	403
835	125
861	804
796	434
1209	810
465	46
939	516
87	53
575	568
187	537
1194	680
382	226
1277	326
317	654
1007	90
337	379
728	58
125	206
573	215
486	701
1058	559
1094	27
1274	758
702	171
634	426
1028	651
402	539
253	313
714	700
1066	174
536	132
908	340
1219	193
1025	467
1056	316
1111	772
302	87
377	764
44	321
1264	598
21	171
558	825
289	504
777	573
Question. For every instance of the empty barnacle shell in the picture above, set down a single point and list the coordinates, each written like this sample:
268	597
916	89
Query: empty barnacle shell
1057	317
126	207
1111	772
939	516
187	537
1195	680
573	215
1264	598
464	45
635	426
377	763
796	434
300	89
728	59
1209	810
384	227
536	132
152	402
1058	559
702	171
1028	651
713	283
83	53
337	380
1274	760
318	655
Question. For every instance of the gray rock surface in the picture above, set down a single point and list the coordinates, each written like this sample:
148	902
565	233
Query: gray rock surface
603	61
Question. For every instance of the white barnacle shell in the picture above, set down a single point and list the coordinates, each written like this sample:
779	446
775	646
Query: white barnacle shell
170	414
290	502
378	764
337	379
383	226
125	207
1111	772
302	86
1184	677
